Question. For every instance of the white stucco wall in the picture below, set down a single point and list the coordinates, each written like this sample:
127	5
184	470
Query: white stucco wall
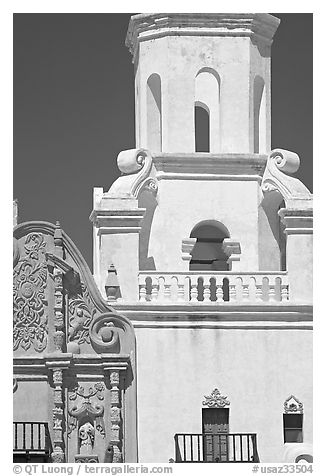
182	204
256	369
178	59
28	401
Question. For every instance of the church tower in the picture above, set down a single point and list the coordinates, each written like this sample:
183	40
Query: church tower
219	63
197	242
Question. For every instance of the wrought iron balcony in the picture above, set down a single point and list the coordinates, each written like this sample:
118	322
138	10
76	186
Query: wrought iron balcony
216	448
31	441
215	288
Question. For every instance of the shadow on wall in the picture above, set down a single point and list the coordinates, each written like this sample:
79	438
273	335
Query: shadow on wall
271	204
146	200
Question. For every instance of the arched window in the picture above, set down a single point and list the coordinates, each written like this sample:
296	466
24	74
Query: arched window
207	111
201	128
208	254
154	113
259	116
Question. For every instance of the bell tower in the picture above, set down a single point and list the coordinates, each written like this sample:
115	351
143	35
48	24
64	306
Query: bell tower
213	65
195	194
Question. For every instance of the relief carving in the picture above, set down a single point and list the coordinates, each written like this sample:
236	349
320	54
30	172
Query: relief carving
84	408
293	405
30	276
103	333
215	400
86	436
81	313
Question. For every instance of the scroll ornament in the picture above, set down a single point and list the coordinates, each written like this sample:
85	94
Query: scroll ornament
136	168
280	163
103	333
30	277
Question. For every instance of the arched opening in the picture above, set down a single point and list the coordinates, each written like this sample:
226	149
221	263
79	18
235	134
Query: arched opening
207	111
208	254
201	128
154	113
259	115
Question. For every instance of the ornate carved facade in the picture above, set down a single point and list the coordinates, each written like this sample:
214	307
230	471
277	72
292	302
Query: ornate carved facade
71	351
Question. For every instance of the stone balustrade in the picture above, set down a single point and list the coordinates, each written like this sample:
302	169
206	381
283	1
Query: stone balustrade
217	287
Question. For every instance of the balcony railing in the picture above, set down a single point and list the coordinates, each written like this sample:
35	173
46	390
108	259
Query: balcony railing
216	448
218	287
31	438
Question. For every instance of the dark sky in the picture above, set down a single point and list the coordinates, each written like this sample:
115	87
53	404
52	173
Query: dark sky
74	110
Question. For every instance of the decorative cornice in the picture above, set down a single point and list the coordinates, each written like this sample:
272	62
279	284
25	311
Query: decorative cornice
228	315
297	221
147	26
81	362
184	164
124	220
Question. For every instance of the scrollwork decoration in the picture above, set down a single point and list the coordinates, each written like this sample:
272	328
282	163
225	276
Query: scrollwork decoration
280	163
81	313
86	408
103	333
136	166
30	276
293	405
215	400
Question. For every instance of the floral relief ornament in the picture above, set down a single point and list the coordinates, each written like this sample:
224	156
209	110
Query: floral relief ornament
80	317
215	400
293	405
30	276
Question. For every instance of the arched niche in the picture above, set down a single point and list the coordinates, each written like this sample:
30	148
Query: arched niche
154	113
208	254
207	110
259	116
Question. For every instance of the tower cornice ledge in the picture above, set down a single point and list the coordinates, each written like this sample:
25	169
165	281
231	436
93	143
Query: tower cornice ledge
147	26
183	165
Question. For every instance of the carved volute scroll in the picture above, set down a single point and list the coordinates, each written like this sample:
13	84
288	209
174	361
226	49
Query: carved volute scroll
136	167
280	163
30	304
215	400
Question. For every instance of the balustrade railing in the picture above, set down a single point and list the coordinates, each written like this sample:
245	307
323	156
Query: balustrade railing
31	438
218	287
216	448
